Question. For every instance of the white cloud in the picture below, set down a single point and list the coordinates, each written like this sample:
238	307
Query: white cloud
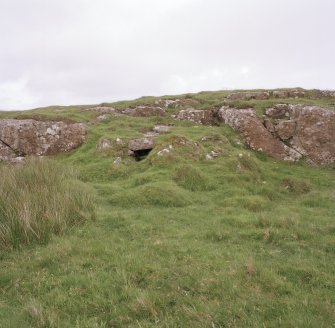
83	51
16	95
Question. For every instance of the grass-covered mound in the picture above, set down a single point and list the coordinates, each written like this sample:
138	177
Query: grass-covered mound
242	240
38	199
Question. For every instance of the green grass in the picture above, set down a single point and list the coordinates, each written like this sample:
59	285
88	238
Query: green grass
38	199
240	241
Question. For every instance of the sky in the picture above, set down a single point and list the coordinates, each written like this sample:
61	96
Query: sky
65	52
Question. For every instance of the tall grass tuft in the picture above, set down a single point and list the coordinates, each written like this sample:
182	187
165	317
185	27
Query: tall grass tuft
38	199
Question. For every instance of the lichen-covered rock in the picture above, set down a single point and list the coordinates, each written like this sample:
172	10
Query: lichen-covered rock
326	93
103	117
103	110
261	95
309	129
161	128
198	116
285	129
6	153
280	111
32	137
141	144
144	111
288	94
177	103
254	133
104	144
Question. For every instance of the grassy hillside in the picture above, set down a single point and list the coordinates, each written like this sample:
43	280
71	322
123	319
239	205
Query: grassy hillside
240	241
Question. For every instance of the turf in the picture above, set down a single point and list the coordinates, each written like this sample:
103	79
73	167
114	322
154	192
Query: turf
240	241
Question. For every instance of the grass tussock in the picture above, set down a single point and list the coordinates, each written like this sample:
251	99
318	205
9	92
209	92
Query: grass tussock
162	194
191	178
296	186
38	199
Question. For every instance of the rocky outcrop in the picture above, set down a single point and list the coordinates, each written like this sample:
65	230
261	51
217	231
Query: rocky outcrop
325	93
177	103
144	111
254	133
103	110
31	137
287	132
261	95
310	130
288	94
198	116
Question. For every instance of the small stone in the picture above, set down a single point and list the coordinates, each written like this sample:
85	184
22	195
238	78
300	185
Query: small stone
118	161
18	160
163	152
103	117
215	153
119	142
105	144
151	134
160	128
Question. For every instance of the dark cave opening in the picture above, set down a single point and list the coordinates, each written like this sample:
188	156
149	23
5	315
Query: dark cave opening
141	154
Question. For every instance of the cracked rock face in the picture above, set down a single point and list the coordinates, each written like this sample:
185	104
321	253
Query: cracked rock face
287	132
254	133
308	129
32	137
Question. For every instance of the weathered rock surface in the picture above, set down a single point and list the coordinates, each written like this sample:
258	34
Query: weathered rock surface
161	128
177	103
285	129
104	144
144	111
32	137
141	144
254	133
103	117
198	116
261	95
327	93
309	129
6	153
103	110
306	130
288	94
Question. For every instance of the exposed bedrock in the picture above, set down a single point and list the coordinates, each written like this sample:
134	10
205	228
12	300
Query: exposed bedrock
32	137
287	132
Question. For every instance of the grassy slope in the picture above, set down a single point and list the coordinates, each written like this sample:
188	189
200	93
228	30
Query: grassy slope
182	242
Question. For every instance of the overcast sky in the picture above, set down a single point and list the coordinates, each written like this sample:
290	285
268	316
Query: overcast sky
61	52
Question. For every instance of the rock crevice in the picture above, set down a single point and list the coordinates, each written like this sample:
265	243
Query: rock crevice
287	132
